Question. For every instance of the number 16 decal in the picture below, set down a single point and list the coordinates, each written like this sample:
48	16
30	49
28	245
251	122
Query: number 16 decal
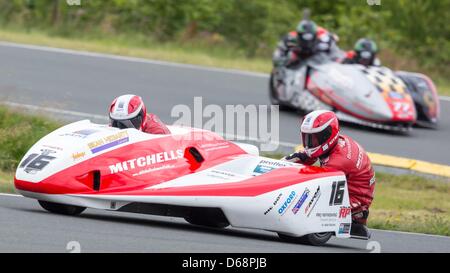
337	193
37	162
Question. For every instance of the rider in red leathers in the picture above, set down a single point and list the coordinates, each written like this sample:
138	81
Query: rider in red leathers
323	142
129	111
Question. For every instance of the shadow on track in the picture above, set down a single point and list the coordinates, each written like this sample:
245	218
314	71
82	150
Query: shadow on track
127	218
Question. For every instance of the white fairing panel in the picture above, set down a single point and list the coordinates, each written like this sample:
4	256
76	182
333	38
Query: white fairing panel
309	207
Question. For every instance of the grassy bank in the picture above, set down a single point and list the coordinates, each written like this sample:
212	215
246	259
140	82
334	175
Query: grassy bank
6	181
18	132
411	203
190	52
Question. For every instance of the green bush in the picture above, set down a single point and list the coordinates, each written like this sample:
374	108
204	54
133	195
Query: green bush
415	28
18	132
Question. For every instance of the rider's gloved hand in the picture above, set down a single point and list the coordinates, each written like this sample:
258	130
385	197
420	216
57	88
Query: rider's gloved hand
298	157
280	61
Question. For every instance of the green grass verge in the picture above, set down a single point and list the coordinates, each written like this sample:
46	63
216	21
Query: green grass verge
18	132
197	52
190	52
411	203
6	181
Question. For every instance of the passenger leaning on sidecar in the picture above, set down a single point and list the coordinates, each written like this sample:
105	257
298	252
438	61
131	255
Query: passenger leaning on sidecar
364	53
323	142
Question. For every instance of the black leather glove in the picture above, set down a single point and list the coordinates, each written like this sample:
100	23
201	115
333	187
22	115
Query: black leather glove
296	157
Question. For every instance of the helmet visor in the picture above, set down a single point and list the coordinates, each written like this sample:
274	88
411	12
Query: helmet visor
135	122
307	36
366	55
313	140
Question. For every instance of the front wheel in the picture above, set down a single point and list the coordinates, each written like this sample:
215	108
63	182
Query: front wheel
61	208
315	239
273	95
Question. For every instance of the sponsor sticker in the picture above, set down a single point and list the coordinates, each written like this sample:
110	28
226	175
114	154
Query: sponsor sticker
77	156
53	147
108	142
287	203
372	180
221	174
312	203
274	203
148	160
327	215
81	133
265	166
268	210
344	211
300	201
344	228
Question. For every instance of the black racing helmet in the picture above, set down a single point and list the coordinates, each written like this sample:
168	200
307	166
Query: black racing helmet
366	51
307	34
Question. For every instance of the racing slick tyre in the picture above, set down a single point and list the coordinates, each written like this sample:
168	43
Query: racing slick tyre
61	208
207	218
315	239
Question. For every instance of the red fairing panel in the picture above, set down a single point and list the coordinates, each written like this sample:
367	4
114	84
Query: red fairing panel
136	165
132	169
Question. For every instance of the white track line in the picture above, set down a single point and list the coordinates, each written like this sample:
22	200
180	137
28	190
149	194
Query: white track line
411	233
444	98
10	195
132	59
53	110
142	60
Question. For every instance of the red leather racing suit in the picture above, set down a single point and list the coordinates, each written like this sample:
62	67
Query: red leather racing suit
349	157
153	125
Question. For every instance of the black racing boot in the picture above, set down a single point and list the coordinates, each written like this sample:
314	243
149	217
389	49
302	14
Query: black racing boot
360	231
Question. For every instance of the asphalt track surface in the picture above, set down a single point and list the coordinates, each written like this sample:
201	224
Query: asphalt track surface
28	228
88	84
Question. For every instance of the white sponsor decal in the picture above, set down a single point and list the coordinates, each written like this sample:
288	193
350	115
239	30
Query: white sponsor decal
144	161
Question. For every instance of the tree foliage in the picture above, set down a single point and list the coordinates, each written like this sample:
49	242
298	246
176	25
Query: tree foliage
417	28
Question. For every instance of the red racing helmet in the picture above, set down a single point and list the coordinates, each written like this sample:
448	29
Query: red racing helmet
128	111
320	132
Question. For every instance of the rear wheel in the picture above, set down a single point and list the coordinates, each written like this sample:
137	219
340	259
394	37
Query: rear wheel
61	208
315	239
